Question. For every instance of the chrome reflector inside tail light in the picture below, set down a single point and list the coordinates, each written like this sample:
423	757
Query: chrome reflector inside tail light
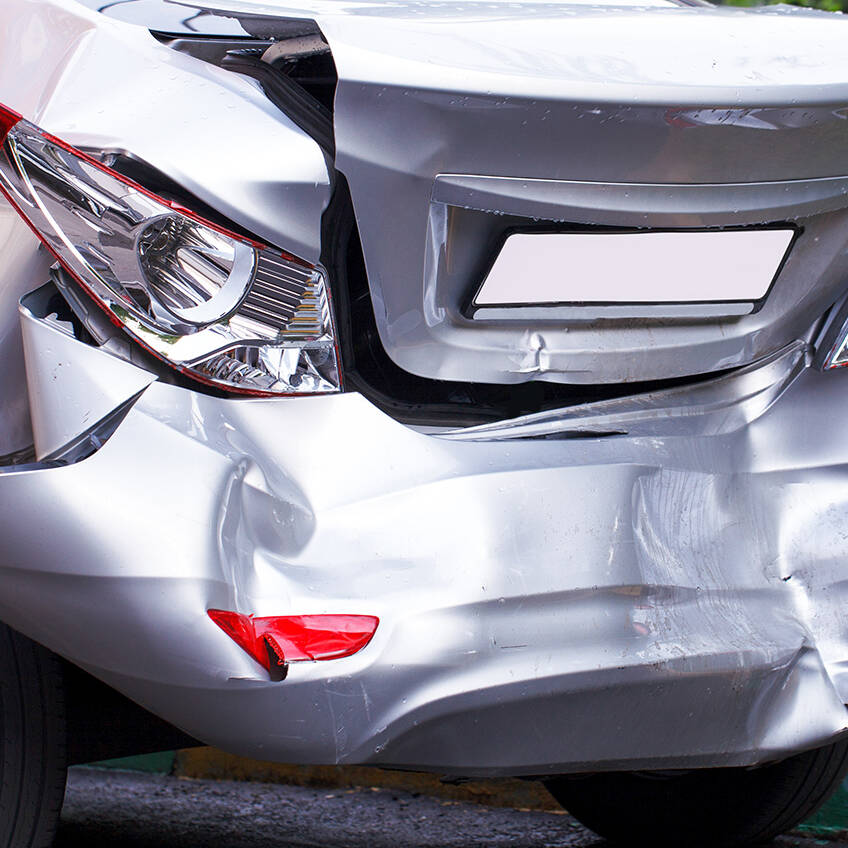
217	306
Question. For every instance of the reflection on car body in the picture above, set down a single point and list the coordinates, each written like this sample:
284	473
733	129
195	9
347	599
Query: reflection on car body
443	386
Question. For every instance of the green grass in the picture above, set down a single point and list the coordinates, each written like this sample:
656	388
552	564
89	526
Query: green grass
827	5
832	819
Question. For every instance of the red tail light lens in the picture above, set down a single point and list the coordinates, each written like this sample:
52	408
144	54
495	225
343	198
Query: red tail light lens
8	119
297	638
218	307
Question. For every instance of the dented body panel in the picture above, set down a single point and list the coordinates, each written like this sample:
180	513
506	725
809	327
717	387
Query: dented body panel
652	582
555	115
205	128
663	600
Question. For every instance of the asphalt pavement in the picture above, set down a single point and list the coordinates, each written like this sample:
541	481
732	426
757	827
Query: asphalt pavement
109	809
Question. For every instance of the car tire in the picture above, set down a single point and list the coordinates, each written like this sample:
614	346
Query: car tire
32	728
721	808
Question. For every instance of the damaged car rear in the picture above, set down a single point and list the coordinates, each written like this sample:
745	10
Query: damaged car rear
440	386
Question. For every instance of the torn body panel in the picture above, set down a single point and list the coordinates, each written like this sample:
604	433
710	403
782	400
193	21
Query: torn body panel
111	88
665	600
656	582
459	123
69	395
211	131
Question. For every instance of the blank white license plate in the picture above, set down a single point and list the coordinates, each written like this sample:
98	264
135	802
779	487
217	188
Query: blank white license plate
681	267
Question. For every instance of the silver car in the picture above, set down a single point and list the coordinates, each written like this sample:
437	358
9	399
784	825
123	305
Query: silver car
448	386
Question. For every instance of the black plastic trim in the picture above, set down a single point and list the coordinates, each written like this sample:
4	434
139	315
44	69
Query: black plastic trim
288	96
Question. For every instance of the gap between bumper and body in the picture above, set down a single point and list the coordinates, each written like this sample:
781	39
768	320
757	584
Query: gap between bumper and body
669	597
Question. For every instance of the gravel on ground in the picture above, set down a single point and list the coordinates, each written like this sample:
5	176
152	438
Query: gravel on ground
110	809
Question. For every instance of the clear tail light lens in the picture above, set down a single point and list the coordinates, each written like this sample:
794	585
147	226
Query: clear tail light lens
217	306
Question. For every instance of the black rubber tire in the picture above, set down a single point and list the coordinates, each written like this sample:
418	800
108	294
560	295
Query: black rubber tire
720	808
32	729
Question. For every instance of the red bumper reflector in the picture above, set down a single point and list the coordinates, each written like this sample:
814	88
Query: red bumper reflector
296	638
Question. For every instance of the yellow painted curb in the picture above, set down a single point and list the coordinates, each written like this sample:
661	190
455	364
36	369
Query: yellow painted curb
212	764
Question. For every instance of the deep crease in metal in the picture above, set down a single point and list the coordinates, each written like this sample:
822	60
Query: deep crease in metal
680	590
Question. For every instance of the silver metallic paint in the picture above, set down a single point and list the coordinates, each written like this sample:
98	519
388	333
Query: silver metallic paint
613	98
666	598
102	84
22	264
669	598
647	116
70	394
652	204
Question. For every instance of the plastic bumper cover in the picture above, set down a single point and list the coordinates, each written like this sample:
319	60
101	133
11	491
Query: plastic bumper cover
668	598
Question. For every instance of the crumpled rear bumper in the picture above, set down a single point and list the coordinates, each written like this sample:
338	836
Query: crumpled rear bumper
671	597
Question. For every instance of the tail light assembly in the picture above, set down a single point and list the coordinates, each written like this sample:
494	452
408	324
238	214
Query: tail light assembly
220	308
